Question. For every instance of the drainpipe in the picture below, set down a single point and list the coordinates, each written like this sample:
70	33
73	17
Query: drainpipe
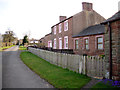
110	51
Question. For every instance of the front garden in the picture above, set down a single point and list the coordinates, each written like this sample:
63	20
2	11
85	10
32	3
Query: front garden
57	76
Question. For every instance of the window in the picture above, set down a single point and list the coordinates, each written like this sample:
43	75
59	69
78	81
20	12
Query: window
76	44
60	27
55	43
66	42
60	43
66	25
49	43
86	44
54	29
100	43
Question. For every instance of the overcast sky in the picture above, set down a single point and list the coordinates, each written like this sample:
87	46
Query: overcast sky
37	16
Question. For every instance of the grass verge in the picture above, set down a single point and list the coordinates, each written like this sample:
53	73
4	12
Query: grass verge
57	76
3	48
22	48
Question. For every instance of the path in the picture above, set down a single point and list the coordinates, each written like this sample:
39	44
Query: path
18	75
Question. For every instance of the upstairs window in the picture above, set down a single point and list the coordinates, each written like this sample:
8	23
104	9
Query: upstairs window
66	25
54	29
60	43
55	43
66	42
86	44
60	27
76	44
100	43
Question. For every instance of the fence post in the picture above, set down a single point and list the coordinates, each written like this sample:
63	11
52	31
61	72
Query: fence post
85	64
80	65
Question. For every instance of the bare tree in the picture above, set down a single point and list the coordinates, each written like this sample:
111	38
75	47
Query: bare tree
8	37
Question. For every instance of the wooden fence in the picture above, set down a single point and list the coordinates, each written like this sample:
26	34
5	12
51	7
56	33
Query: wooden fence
92	66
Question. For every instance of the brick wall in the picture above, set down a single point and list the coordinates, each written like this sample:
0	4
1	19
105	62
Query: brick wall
85	19
92	51
115	29
47	38
63	34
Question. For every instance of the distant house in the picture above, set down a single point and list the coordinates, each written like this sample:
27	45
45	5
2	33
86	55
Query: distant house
33	41
90	41
48	40
62	33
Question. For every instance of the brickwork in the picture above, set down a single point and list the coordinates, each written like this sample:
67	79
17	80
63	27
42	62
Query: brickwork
76	24
61	18
92	51
115	29
63	34
45	39
85	19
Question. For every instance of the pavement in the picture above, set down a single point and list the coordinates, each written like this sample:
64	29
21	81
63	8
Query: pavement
15	74
90	84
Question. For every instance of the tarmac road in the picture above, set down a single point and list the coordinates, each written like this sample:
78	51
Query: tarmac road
16	74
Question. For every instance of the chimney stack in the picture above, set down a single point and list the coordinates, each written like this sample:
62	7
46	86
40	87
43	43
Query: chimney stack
61	18
119	6
87	6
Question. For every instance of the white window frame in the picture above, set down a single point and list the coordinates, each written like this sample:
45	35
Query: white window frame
65	47
55	43
60	27
54	30
96	42
75	43
50	43
66	25
85	44
60	44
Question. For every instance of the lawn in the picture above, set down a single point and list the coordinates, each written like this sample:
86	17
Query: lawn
3	48
22	48
57	76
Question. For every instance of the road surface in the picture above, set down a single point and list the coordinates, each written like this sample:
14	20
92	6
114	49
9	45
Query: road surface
16	74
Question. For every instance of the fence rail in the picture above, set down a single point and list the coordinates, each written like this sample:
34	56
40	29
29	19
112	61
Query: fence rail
92	66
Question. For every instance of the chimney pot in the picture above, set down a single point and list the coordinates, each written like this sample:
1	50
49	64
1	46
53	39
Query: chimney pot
87	6
61	18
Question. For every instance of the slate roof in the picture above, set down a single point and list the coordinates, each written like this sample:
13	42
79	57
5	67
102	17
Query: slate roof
113	18
92	30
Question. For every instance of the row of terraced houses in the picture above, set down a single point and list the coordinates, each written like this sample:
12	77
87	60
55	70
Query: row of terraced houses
81	32
88	33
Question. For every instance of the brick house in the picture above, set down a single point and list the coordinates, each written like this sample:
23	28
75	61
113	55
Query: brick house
41	44
61	34
63	31
112	46
46	41
90	41
33	41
